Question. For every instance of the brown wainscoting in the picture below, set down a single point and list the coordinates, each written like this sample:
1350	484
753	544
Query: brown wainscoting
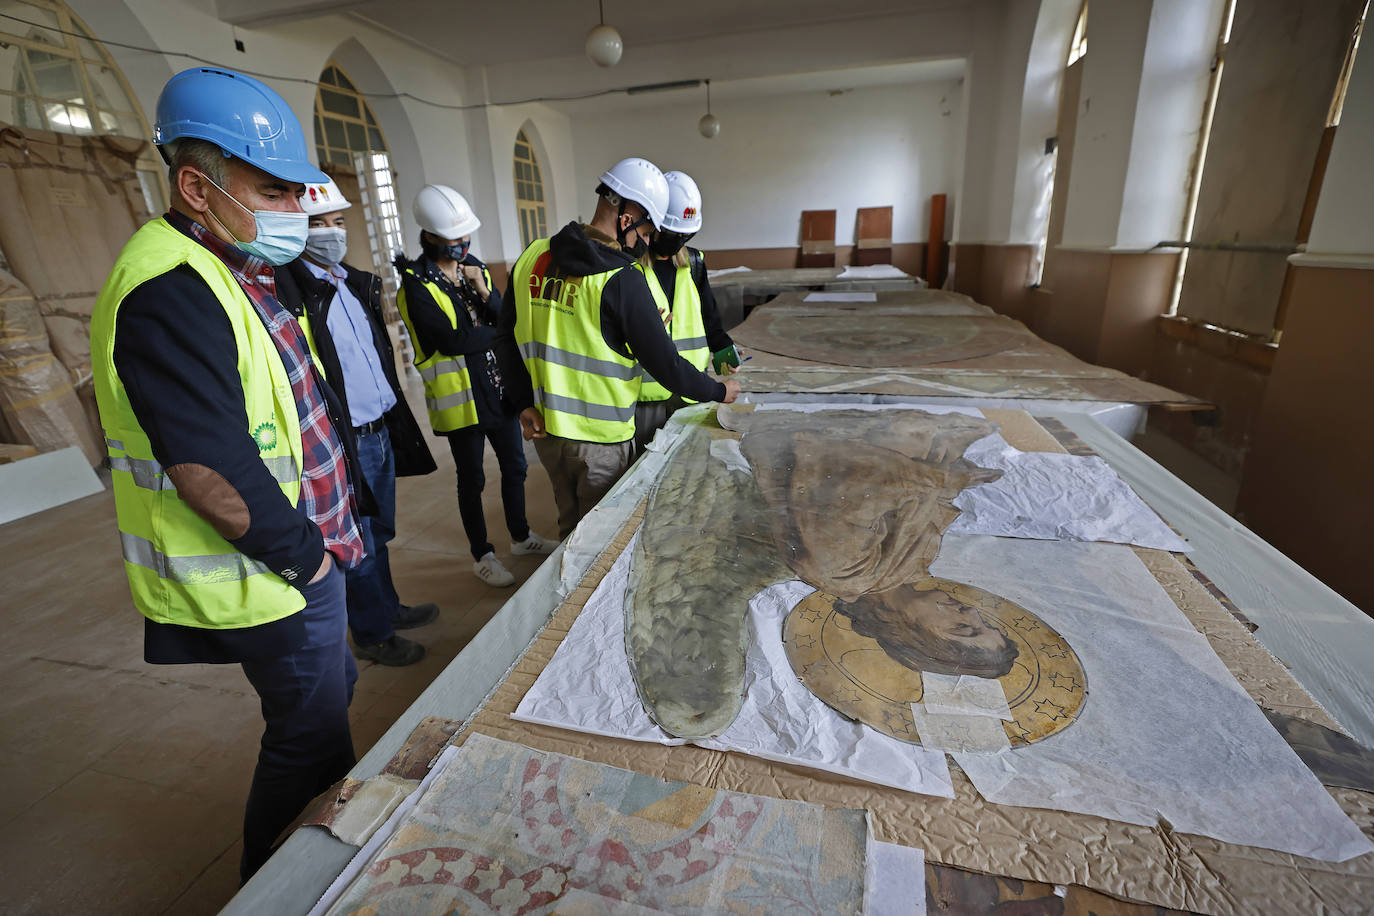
1103	306
909	256
1307	488
995	275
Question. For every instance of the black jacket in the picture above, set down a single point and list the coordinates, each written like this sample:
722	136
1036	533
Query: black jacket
630	322
305	294
471	340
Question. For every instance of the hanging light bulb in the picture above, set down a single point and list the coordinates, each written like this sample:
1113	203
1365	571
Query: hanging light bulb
709	125
604	46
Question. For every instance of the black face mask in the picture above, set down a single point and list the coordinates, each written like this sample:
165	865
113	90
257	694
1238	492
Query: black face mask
640	247
437	252
666	244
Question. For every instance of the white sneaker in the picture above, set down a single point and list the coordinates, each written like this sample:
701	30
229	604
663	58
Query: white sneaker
490	571
534	544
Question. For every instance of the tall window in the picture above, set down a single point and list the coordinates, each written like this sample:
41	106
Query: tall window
1209	110
1054	169
529	192
344	123
55	76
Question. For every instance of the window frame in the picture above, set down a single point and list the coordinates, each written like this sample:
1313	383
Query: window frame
531	200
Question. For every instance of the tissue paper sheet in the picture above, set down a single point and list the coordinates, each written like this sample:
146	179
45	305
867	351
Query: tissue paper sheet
587	687
1057	497
1165	733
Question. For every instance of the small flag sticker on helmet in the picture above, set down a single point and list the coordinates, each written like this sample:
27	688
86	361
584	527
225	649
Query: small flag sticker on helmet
313	193
689	212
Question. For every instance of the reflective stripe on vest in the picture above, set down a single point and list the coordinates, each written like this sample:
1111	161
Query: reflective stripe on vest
585	389
685	326
147	473
181	570
448	384
218	568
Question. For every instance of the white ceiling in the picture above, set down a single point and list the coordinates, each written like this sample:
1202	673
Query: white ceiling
819	81
512	31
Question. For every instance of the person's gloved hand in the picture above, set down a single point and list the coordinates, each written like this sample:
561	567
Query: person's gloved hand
728	357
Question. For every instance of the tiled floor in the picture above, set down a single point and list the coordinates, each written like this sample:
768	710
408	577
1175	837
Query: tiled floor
124	782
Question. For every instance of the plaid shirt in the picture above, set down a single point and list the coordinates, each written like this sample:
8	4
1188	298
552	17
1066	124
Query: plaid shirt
326	494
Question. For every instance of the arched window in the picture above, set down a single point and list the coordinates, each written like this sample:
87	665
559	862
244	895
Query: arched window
54	75
529	192
344	123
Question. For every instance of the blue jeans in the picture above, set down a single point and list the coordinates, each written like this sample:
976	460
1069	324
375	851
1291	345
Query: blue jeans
306	746
372	598
467	446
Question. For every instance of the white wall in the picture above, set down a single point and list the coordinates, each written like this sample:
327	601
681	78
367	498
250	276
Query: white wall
779	155
1344	222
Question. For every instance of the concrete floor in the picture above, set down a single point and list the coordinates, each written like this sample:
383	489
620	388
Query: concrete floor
124	782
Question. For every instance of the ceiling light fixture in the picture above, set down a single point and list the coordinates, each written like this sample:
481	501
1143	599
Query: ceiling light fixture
604	46
709	125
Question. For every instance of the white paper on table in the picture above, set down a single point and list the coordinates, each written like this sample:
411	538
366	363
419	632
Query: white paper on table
1050	496
872	272
587	686
964	695
1165	732
841	297
727	452
894	880
712	274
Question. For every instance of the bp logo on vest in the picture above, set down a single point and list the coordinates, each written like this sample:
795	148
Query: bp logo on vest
266	436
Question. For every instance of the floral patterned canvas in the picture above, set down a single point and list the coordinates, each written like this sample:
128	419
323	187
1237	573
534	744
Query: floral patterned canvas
509	829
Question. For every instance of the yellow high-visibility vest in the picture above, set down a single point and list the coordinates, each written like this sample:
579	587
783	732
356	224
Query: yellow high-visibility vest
584	389
181	571
448	383
685	326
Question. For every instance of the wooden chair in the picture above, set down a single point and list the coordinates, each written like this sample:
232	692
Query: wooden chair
817	239
873	236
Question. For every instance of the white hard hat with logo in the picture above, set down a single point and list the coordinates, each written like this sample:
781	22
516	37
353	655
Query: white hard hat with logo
320	199
640	180
684	204
444	212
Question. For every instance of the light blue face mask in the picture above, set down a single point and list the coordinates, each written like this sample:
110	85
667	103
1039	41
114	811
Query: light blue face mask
281	236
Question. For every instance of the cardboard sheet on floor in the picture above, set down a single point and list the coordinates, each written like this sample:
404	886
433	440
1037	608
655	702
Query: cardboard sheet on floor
513	829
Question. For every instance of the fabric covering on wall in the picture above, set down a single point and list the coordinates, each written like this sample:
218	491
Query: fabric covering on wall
70	204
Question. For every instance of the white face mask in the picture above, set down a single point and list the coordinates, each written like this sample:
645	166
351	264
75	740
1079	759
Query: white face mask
327	244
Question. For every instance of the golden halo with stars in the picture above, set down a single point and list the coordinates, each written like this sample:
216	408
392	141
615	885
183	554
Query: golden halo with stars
852	674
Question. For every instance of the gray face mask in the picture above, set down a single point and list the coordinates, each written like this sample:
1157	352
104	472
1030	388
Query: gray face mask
327	244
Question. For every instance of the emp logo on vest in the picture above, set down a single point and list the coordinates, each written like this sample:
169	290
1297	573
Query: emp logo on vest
265	435
555	292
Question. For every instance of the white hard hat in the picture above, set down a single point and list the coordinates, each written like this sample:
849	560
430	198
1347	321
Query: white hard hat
444	212
684	204
640	180
324	198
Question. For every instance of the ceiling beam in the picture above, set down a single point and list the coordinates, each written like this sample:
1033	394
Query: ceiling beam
258	13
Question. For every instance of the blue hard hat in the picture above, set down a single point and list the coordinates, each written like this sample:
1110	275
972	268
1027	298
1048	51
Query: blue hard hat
244	117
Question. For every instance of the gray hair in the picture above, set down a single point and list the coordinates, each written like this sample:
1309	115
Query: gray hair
203	156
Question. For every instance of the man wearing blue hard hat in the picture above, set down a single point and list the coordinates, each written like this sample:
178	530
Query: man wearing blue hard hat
229	453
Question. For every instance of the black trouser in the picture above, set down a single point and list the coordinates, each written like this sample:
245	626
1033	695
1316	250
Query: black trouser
467	446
